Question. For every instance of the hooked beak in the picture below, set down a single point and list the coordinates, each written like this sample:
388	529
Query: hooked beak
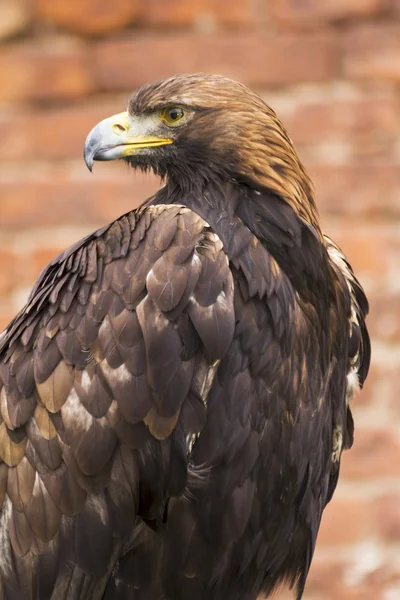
116	137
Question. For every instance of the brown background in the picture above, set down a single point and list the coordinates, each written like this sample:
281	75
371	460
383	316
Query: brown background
331	69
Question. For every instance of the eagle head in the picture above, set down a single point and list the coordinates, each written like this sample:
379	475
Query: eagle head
196	128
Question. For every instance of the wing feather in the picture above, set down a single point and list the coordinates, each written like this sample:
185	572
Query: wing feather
100	381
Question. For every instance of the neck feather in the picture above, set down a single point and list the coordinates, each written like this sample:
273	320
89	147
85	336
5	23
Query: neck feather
241	216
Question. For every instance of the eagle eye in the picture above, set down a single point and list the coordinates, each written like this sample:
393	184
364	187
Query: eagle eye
172	115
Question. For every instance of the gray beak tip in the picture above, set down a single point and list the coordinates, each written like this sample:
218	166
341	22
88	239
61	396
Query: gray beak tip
89	163
92	145
107	140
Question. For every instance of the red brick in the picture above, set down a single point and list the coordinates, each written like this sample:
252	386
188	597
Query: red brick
41	257
341	577
88	16
372	52
51	133
198	12
345	576
49	71
330	579
392	381
387	513
8	278
370	394
255	59
27	265
367	248
14	17
354	117
324	578
376	453
5	319
92	201
310	12
384	320
370	190
346	521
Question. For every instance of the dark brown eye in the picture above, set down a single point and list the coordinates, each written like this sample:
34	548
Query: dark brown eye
172	115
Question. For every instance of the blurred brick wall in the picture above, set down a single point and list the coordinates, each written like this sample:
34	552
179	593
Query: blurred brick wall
331	69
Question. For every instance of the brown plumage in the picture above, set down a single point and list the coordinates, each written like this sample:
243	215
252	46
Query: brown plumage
175	394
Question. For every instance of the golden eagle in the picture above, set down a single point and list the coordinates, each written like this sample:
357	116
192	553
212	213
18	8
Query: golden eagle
175	393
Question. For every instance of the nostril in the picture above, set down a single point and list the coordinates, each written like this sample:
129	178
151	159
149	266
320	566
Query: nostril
118	128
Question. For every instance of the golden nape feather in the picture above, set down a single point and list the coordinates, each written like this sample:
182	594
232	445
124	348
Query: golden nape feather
175	393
